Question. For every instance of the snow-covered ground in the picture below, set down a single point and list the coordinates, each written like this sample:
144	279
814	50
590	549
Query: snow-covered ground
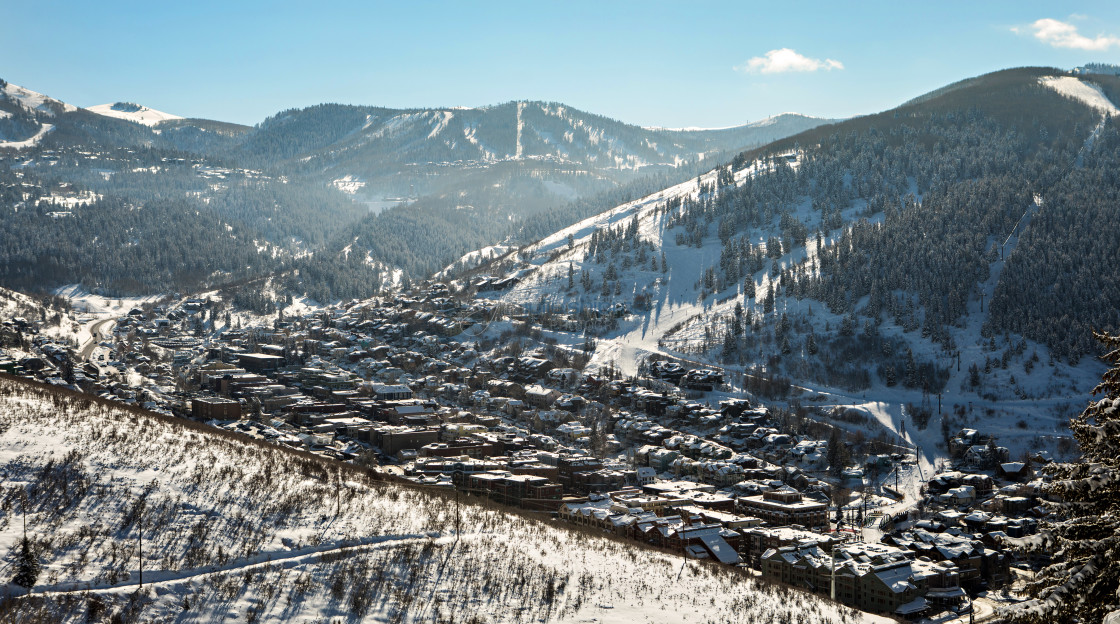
58	325
1077	89
30	141
348	184
87	302
475	258
237	529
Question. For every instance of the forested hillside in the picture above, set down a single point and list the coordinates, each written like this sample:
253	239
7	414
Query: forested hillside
407	191
119	247
959	239
910	210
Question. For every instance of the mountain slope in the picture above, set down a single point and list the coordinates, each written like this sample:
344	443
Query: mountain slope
235	527
559	153
933	249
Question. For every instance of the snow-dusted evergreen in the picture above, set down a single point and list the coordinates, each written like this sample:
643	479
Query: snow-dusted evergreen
1082	584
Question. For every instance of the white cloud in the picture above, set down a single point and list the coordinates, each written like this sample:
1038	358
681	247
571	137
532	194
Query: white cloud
1064	35
786	60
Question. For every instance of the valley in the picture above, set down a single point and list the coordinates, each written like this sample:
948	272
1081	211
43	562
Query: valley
585	371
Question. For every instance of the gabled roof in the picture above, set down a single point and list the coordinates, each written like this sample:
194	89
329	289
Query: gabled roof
719	548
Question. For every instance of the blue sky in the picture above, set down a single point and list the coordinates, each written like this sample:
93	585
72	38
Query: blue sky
673	64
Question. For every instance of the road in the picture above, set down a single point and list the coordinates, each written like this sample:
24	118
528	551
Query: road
97	333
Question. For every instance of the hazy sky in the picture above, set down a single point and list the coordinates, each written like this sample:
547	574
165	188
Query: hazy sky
706	64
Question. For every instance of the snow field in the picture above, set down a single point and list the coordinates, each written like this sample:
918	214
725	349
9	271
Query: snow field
144	115
1088	94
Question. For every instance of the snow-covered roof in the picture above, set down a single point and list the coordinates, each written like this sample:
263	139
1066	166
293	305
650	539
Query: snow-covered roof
916	605
719	547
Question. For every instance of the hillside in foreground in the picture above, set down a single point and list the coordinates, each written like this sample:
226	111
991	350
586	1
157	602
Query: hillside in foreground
235	529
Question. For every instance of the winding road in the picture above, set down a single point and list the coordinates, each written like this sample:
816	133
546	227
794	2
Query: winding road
97	333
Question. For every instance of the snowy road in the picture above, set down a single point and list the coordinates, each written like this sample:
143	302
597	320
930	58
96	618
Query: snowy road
97	333
163	578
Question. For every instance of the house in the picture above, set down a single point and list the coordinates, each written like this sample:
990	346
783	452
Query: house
540	397
1015	471
985	456
529	368
519	490
462	447
786	506
646	475
757	540
981	482
961	496
978	565
391	439
712	540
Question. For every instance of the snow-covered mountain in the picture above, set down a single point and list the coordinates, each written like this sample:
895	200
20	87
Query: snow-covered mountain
133	112
23	115
911	292
393	152
302	177
28	117
33	101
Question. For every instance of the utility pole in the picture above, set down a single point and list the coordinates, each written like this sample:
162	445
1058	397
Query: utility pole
832	570
140	549
24	508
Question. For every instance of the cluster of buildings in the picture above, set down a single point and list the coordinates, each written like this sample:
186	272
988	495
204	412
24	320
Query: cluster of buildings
648	459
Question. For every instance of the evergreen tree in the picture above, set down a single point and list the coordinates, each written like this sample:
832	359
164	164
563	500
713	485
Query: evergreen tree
838	453
889	376
1083	583
27	566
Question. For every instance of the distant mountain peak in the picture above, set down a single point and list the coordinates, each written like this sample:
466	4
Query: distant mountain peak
131	111
32	100
768	121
